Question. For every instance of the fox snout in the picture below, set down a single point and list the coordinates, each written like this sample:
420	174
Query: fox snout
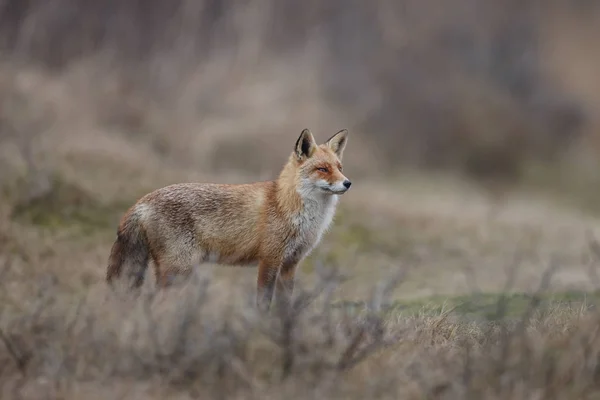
340	187
346	185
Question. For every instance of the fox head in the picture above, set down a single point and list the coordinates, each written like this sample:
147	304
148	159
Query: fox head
319	167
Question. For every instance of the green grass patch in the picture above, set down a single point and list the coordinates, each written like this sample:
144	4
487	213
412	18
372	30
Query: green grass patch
352	231
67	206
488	306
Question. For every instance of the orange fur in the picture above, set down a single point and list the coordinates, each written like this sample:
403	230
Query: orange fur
272	224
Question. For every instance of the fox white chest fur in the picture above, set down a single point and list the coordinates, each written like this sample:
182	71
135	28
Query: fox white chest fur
310	224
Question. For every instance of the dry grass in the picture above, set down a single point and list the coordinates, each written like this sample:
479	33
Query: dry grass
92	118
205	339
64	335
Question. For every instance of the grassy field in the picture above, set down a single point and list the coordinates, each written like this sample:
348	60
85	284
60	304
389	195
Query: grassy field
423	288
432	283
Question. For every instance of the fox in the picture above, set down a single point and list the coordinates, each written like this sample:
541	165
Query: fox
272	225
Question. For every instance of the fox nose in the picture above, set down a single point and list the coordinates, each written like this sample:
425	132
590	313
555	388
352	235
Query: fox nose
347	184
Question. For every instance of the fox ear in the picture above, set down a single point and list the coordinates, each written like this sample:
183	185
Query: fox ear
305	145
337	142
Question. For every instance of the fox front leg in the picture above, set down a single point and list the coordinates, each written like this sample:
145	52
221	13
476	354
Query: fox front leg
285	286
267	274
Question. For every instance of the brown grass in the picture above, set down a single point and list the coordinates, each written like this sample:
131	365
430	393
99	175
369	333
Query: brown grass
206	340
437	96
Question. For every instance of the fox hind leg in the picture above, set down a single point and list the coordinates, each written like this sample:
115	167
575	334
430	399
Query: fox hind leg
172	266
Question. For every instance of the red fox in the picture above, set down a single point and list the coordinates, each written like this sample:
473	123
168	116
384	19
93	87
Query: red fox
273	224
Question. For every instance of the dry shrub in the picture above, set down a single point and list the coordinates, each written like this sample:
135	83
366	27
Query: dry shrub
205	339
401	73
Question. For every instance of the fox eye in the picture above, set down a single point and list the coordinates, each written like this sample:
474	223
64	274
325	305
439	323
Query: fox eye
322	169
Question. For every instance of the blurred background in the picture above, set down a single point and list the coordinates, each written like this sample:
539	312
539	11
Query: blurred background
459	111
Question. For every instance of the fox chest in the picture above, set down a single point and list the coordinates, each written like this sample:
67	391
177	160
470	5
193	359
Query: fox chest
308	227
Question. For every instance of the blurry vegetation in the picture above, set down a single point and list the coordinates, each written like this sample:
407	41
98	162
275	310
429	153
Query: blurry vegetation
101	102
446	74
490	306
196	342
461	85
66	205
